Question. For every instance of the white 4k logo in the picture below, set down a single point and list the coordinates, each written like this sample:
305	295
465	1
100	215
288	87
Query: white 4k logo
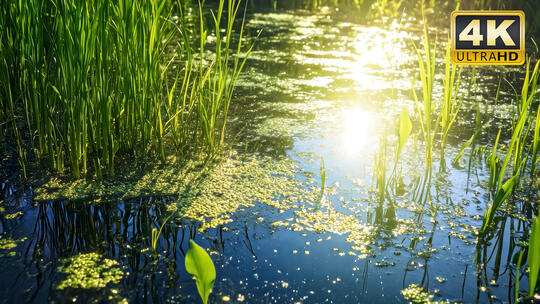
493	32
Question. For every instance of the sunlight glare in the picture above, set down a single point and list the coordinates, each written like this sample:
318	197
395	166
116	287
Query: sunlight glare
358	131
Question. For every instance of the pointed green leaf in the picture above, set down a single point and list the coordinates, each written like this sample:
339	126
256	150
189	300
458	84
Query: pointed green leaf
405	128
200	265
500	197
503	193
455	162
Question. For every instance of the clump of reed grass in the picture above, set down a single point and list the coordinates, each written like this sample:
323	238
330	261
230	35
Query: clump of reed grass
88	80
450	104
425	108
215	82
435	119
518	150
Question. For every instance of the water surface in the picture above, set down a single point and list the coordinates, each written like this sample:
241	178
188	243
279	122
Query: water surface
314	88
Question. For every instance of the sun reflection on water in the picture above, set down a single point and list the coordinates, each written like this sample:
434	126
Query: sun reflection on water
359	132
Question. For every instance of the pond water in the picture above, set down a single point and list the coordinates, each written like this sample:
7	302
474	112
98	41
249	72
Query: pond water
314	88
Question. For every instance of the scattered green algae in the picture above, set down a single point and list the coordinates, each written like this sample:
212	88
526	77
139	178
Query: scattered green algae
237	184
417	295
207	193
362	236
8	244
14	215
277	127
89	270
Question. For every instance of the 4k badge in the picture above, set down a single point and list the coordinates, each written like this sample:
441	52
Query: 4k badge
488	37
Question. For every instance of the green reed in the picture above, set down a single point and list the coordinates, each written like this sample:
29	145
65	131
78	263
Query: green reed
536	143
10	117
216	81
426	109
381	178
404	129
88	80
435	118
478	125
157	232
322	171
518	150
22	27
450	104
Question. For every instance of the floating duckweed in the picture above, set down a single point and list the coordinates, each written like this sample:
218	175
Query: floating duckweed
277	126
416	294
279	223
7	244
424	254
236	183
440	279
172	179
89	270
208	194
361	235
13	215
477	217
308	157
385	264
